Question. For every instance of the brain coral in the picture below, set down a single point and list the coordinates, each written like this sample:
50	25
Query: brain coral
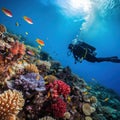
10	104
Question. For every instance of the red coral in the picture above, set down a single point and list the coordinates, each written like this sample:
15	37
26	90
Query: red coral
62	88
58	88
58	108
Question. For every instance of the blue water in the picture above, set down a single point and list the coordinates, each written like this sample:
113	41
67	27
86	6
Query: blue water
57	22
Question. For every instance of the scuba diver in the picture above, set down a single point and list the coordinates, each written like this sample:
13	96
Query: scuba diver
83	51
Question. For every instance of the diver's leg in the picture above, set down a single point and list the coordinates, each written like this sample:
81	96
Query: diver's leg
110	59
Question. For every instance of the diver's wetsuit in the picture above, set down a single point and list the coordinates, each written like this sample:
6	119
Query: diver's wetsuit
82	50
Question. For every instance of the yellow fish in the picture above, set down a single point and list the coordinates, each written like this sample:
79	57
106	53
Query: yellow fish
88	87
85	93
46	82
68	99
106	99
48	94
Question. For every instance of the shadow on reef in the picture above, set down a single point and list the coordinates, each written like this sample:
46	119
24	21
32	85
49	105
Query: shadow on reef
33	86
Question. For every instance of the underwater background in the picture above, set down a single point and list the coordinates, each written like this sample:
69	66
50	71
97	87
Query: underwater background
38	79
58	22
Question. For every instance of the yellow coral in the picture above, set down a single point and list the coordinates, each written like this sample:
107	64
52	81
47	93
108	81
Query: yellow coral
31	68
87	109
10	104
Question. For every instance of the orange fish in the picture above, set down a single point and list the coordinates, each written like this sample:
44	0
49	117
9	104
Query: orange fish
28	20
7	12
41	42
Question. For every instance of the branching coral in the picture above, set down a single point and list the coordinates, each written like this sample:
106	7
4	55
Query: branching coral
30	82
11	102
58	88
31	68
58	108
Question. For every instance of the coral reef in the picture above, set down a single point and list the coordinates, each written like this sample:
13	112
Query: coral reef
2	28
58	88
30	82
17	49
31	68
50	90
58	108
11	102
47	118
87	109
50	78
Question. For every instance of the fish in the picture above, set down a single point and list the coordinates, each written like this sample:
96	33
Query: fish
26	33
17	24
48	94
39	47
30	52
85	93
7	12
106	99
28	20
41	42
88	87
68	99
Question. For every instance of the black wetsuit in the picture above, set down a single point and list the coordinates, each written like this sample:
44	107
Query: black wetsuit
82	50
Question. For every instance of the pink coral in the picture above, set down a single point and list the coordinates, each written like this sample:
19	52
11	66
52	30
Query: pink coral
58	108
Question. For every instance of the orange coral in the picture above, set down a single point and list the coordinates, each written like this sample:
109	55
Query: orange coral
31	68
15	47
11	102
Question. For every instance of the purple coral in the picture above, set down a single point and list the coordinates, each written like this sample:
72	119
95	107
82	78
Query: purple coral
30	82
